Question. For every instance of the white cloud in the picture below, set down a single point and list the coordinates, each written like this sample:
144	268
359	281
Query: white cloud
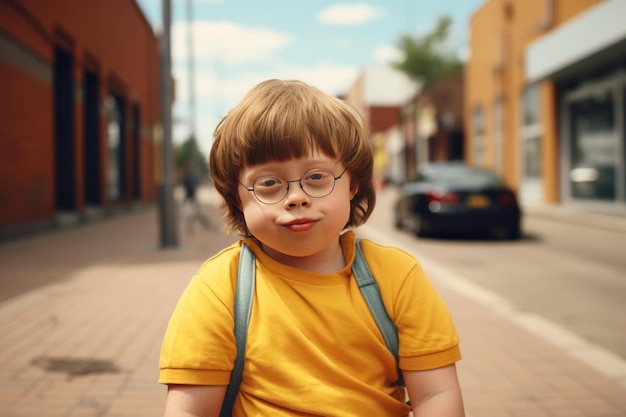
229	59
344	43
331	78
215	95
349	14
227	42
388	53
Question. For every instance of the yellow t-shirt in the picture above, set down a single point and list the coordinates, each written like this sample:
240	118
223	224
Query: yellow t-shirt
313	346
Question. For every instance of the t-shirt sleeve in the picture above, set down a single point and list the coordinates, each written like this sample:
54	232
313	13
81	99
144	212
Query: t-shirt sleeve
199	344
427	334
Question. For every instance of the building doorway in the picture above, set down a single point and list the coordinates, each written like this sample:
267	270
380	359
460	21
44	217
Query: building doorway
115	148
91	145
64	149
136	140
595	142
531	187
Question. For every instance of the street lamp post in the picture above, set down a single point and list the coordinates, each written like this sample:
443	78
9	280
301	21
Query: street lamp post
168	223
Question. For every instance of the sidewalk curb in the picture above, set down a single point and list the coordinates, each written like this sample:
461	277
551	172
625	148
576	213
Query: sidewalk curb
611	222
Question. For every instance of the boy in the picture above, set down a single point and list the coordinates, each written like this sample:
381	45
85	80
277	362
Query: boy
294	167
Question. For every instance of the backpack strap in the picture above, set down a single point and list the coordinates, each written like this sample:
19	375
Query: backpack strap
371	293
243	308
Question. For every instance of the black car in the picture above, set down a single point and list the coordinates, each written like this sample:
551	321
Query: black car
451	197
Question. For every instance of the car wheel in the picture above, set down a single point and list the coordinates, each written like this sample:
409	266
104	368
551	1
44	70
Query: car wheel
507	233
514	233
403	217
419	228
398	222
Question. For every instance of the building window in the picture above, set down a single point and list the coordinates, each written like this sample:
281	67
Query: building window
594	148
498	134
531	133
531	189
478	137
114	147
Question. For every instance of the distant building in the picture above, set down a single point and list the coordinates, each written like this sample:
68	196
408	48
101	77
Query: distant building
409	126
545	99
433	124
79	110
380	93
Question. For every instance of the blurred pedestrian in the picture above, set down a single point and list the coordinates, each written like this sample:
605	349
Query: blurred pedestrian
294	166
192	209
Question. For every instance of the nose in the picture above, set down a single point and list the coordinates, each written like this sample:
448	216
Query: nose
296	196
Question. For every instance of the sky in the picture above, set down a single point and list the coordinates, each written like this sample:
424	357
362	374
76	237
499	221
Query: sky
326	43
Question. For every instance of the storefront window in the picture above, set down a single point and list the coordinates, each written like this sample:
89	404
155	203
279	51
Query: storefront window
594	146
531	133
114	143
478	136
530	137
498	134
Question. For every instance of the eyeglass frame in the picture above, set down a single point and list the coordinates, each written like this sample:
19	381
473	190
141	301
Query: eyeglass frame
335	179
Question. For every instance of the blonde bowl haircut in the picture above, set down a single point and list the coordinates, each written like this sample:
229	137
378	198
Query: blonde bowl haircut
278	120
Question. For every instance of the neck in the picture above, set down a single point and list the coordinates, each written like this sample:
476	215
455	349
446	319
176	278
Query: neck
327	261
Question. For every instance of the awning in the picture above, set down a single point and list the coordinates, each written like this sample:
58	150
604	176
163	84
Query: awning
590	40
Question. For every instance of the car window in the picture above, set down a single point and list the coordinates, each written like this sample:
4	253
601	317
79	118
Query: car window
461	176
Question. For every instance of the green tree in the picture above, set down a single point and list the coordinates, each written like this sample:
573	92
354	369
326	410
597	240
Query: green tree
429	57
188	154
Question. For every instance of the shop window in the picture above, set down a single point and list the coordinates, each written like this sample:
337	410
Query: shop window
531	133
115	132
478	137
64	147
498	134
91	137
594	147
531	188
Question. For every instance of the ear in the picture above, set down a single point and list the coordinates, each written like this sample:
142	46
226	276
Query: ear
354	189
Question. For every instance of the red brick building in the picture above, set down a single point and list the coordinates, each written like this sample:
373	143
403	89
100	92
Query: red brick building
79	109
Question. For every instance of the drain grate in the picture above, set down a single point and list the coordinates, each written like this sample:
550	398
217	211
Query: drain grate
75	366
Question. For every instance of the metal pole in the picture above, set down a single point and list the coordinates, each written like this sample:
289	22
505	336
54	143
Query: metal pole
169	230
192	93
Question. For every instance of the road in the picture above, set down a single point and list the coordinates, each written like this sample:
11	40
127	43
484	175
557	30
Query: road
572	275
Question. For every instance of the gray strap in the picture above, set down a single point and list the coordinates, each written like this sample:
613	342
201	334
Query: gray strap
371	293
243	308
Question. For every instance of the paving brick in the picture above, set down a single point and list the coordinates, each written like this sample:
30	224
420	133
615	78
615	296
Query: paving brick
111	297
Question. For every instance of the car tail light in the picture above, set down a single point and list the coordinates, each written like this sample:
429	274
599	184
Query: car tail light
443	198
507	199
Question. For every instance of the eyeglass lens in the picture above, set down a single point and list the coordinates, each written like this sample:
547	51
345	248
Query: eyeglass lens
316	184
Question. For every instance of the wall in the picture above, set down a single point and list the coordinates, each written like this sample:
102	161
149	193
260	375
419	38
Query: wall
114	40
500	31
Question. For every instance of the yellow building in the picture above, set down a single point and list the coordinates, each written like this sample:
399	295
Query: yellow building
545	99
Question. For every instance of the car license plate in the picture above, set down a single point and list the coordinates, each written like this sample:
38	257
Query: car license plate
477	201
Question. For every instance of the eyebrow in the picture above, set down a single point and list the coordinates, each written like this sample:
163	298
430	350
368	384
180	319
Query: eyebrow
269	170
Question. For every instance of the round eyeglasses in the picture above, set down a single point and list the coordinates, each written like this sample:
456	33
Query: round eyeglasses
316	184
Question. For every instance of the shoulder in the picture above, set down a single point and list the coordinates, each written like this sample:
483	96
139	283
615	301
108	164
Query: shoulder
219	272
386	258
398	274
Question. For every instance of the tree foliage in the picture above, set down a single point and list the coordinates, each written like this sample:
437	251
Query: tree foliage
188	154
429	57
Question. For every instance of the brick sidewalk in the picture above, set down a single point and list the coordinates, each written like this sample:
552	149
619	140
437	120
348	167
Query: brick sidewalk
88	344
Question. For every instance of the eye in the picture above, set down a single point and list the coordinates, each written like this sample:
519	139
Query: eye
320	178
318	175
267	182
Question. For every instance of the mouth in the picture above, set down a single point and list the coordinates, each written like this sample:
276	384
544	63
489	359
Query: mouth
300	225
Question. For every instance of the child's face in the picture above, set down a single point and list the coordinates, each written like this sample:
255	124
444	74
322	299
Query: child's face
298	225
